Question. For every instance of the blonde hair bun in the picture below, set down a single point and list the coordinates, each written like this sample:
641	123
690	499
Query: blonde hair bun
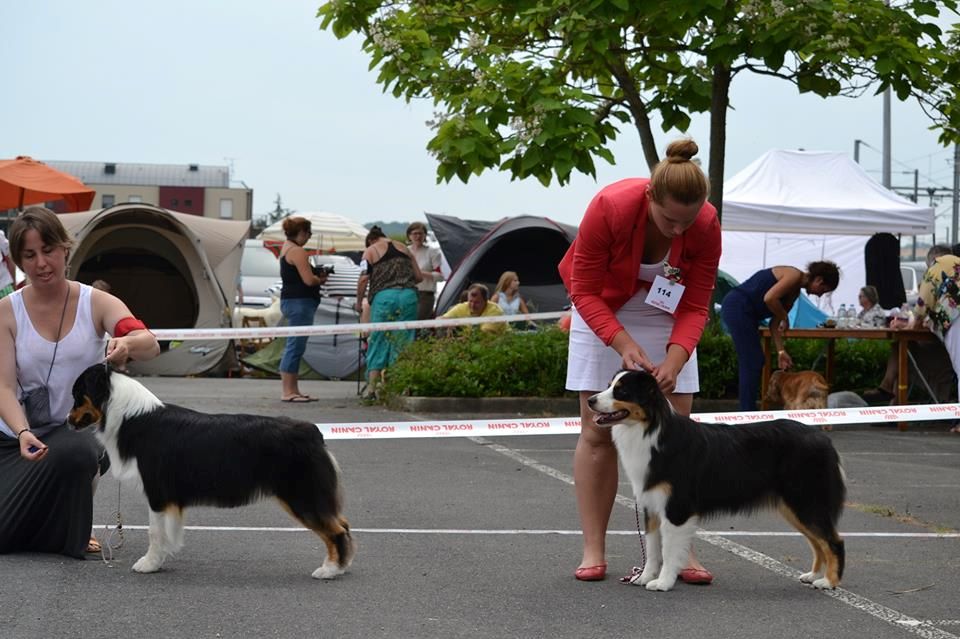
682	150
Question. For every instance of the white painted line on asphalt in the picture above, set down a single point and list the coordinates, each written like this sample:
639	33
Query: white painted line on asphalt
891	616
531	531
900	454
916	626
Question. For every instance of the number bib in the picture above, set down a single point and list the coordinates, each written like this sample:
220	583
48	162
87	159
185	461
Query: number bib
664	294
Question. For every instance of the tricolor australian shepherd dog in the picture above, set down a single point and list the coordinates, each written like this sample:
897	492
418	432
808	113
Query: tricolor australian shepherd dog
185	458
683	471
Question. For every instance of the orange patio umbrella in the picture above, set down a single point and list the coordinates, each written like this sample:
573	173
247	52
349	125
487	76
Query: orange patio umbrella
26	181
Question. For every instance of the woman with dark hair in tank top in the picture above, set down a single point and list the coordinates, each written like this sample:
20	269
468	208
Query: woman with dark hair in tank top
769	293
392	274
50	332
299	299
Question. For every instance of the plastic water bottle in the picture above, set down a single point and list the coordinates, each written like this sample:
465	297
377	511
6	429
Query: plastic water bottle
825	303
842	316
852	321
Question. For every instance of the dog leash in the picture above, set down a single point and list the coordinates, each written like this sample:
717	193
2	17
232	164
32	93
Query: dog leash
108	545
634	576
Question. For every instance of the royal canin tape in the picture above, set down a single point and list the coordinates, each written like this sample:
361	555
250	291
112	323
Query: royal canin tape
567	425
188	334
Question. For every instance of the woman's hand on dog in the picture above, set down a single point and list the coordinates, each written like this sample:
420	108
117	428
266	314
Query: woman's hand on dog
784	361
633	358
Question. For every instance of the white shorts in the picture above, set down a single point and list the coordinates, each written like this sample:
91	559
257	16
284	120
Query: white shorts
591	364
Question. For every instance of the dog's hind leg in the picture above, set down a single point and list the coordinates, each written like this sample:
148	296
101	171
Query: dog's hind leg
157	550
336	536
676	542
334	530
827	546
654	559
819	561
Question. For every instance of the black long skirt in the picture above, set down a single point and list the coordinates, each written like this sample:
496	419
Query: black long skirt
47	506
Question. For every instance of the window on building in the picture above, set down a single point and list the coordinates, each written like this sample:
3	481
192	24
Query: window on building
107	200
134	198
226	208
174	201
188	203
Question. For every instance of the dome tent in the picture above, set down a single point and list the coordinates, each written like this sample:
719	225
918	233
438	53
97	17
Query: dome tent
172	270
478	252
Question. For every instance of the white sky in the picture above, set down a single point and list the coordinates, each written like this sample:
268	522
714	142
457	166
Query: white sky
295	111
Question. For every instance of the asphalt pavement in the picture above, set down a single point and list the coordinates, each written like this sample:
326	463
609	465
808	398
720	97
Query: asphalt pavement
478	537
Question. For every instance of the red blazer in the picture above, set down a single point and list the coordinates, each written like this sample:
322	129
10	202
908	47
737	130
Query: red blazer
601	266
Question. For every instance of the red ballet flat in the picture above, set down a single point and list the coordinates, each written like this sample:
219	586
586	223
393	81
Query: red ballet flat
592	573
697	576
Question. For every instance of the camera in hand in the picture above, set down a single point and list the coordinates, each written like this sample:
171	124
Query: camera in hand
322	270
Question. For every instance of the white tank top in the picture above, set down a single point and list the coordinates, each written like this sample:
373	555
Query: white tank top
80	348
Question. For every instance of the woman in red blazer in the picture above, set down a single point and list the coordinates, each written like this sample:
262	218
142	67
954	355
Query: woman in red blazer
632	232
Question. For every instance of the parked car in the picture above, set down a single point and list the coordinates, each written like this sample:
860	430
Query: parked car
259	272
912	274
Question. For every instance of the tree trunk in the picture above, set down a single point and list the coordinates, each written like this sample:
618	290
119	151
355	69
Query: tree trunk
639	112
720	101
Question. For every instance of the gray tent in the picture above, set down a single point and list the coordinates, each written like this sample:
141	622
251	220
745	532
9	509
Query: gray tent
478	252
172	269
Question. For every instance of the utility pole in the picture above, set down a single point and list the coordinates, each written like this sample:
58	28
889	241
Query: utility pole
956	191
886	138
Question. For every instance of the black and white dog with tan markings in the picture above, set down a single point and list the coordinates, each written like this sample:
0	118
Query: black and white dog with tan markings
683	472
184	458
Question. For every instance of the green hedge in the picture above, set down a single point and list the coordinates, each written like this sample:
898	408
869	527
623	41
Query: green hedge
534	364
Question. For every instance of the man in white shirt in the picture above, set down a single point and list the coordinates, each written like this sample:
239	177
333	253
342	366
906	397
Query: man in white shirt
7	268
428	259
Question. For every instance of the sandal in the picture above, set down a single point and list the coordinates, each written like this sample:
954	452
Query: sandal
299	399
93	546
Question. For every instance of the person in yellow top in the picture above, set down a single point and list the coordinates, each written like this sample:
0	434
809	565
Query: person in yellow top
478	305
939	306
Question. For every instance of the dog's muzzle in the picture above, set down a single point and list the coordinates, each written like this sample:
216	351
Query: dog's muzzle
84	415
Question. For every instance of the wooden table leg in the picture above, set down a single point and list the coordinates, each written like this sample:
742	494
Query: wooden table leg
765	375
831	350
902	374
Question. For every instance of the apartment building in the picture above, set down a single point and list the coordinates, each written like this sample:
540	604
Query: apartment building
187	188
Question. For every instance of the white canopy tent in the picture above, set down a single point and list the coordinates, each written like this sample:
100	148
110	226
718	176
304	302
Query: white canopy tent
332	232
794	207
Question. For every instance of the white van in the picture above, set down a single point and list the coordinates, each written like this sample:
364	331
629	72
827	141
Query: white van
259	272
912	274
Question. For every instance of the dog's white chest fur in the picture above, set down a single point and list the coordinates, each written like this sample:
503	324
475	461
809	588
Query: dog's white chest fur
634	450
128	398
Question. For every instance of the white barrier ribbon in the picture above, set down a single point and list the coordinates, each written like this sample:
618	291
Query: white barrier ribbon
187	334
571	425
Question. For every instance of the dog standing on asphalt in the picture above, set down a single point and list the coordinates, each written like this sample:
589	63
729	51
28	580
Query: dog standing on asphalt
186	458
683	471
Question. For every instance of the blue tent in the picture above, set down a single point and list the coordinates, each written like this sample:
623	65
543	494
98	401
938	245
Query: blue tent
805	314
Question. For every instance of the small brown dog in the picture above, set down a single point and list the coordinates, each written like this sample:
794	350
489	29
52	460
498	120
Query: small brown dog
798	391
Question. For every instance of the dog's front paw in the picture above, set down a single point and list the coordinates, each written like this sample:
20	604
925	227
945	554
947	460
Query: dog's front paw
328	570
662	584
823	584
147	564
810	577
647	576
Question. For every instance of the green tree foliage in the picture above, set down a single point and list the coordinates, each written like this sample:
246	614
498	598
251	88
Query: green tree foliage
539	88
